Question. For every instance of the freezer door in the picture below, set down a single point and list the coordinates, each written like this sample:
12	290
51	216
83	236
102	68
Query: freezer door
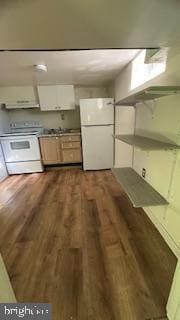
96	111
98	147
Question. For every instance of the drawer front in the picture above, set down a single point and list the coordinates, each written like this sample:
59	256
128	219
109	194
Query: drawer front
72	155
70	145
70	138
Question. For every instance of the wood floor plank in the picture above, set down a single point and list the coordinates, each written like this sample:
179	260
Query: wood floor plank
97	285
73	239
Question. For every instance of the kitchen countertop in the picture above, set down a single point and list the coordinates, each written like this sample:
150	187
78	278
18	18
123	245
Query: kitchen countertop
78	133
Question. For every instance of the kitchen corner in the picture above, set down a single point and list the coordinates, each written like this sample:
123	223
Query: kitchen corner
43	126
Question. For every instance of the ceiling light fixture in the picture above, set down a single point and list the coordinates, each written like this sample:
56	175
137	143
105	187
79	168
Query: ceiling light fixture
41	67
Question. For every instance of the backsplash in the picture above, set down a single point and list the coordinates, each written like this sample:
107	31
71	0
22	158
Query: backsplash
49	119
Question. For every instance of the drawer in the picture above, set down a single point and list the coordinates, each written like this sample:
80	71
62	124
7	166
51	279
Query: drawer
70	138
72	155
71	145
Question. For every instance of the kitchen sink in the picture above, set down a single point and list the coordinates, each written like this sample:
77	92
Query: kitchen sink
59	131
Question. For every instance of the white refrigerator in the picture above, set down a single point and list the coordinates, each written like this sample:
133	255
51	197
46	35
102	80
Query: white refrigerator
97	129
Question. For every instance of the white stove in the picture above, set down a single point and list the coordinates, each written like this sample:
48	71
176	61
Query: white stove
10	134
21	147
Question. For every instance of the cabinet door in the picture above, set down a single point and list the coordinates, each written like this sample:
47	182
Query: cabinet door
50	150
48	98
65	97
71	155
15	94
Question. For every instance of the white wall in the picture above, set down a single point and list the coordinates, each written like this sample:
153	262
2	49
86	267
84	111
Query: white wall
53	119
122	83
173	306
90	92
124	120
124	124
160	119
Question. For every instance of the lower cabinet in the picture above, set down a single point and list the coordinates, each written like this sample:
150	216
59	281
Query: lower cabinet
50	150
70	145
65	149
71	155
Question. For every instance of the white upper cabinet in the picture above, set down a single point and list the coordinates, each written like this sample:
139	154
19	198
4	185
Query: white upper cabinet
47	98
59	97
15	95
66	97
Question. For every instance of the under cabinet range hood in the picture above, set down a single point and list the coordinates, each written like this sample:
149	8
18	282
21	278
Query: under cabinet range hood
22	104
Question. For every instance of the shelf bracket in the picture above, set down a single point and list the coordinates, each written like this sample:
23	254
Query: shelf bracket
150	108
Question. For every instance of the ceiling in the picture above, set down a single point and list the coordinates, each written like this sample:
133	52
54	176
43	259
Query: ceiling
68	24
86	67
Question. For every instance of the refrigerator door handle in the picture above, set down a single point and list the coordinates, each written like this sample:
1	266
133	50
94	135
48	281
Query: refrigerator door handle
97	125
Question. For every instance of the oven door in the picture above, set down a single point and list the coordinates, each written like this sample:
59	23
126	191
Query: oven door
20	148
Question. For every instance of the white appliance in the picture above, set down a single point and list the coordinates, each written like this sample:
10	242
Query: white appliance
22	104
21	147
3	170
97	128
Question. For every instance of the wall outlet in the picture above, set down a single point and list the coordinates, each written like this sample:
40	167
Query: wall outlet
143	172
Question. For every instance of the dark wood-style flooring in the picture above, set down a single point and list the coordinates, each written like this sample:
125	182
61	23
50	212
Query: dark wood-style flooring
72	238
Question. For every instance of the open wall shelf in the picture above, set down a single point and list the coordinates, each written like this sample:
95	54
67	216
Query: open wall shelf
138	190
149	93
146	143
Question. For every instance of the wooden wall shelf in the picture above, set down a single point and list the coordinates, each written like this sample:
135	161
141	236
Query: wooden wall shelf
138	190
149	93
145	143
